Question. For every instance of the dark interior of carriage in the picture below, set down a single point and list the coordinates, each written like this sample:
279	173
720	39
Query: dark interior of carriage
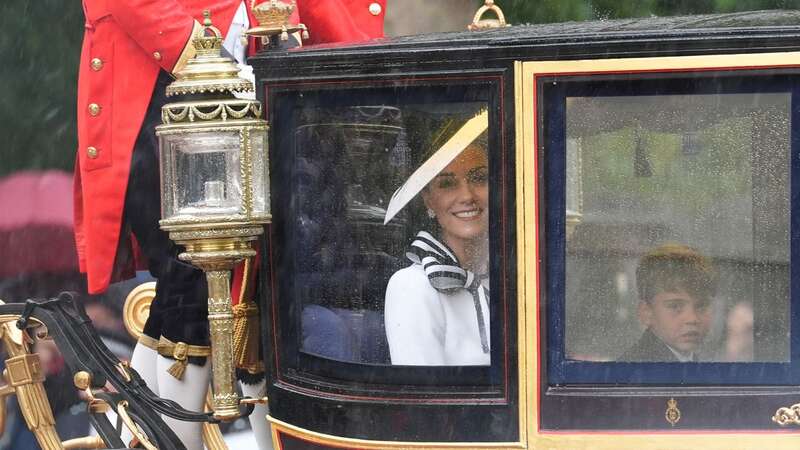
350	154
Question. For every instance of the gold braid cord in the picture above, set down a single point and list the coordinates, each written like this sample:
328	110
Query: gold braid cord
246	335
147	341
180	352
24	374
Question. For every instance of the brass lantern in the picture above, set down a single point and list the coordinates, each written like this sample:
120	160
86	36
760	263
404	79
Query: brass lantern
214	187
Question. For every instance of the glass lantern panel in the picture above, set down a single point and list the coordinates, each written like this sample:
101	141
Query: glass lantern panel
167	178
204	171
258	145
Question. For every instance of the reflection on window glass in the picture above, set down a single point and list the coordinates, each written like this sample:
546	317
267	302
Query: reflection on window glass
390	247
678	228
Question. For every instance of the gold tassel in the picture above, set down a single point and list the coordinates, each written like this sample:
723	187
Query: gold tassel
180	351
246	337
246	333
178	368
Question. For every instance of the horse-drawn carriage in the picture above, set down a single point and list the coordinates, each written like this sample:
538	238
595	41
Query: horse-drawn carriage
603	141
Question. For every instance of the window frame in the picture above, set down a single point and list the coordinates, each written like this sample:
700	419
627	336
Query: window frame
306	372
583	407
563	371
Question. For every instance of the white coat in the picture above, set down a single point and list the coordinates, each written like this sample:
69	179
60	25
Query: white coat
426	327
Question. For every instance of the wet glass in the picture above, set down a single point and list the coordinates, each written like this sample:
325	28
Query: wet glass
201	174
258	146
344	253
708	172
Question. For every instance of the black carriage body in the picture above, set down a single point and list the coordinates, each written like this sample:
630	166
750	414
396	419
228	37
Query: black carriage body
367	399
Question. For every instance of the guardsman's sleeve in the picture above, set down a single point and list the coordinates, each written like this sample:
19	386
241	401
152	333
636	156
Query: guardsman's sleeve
342	20
163	28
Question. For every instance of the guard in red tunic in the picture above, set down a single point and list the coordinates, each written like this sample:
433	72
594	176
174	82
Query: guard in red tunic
130	48
127	43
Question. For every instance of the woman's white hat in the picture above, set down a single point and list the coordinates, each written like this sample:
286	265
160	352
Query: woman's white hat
440	159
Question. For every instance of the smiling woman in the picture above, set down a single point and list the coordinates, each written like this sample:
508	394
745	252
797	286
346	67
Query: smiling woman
457	198
437	308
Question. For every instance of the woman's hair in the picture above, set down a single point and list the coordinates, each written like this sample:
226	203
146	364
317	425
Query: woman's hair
481	141
443	133
432	224
426	135
672	267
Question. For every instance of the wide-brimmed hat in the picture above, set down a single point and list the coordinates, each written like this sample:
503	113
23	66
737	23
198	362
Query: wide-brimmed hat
442	155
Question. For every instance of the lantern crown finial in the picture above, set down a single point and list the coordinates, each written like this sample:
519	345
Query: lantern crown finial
209	42
209	71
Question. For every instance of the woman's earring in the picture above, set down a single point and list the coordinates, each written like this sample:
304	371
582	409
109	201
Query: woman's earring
431	214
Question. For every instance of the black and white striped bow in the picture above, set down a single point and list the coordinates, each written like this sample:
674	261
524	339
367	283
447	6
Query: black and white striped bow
446	275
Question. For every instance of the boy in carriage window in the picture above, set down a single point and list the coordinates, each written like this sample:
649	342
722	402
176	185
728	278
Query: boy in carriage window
676	285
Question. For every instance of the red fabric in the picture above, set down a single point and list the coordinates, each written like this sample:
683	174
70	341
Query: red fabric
236	283
124	34
341	20
238	277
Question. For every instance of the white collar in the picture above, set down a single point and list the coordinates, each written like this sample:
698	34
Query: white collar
681	356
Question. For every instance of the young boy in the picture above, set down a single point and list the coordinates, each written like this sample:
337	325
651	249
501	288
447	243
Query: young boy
675	284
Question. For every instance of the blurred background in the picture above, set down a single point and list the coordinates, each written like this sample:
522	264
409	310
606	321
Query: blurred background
39	50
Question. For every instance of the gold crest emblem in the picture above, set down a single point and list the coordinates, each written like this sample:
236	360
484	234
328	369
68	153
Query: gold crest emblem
673	414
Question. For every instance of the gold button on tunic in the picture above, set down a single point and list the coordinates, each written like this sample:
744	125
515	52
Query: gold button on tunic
375	9
94	109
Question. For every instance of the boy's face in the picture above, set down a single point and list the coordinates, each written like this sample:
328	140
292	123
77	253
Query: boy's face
677	318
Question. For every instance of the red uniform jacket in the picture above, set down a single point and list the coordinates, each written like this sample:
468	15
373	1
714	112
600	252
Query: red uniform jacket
126	43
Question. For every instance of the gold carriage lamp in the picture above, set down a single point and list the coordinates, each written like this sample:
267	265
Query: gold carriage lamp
214	187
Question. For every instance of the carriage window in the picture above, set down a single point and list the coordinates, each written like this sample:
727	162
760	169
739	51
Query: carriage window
674	219
388	240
